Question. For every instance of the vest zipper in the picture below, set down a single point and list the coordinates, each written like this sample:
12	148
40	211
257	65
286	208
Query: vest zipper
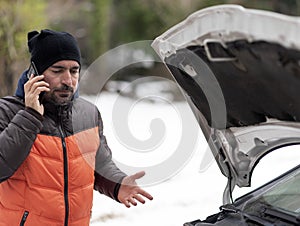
66	197
24	217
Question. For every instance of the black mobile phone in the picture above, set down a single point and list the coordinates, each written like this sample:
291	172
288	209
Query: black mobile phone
32	70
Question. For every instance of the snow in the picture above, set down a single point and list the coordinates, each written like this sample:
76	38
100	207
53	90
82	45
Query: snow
186	194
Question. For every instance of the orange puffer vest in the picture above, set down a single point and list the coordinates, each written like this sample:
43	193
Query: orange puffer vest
54	185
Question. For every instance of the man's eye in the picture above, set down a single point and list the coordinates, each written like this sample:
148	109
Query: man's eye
56	71
74	71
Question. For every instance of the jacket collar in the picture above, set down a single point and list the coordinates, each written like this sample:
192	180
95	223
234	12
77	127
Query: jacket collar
58	112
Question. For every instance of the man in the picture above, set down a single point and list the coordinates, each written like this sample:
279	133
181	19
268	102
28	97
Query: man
53	151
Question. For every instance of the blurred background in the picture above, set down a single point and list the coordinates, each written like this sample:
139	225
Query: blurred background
100	26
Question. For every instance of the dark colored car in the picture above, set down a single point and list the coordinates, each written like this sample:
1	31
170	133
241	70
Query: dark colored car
240	72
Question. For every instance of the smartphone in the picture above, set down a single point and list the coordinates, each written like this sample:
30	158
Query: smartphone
32	70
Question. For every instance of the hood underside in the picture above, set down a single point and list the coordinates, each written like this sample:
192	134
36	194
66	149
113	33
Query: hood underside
240	73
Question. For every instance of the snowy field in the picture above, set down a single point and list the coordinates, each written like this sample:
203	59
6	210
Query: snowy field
191	191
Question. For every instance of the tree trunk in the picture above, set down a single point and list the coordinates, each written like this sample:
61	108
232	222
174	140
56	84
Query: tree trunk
6	78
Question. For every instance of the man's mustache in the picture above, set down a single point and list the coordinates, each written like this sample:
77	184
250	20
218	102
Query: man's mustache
64	88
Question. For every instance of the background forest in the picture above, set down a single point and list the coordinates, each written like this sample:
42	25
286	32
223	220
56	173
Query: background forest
98	25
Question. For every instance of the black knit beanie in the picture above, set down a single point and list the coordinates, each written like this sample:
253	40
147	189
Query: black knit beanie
48	47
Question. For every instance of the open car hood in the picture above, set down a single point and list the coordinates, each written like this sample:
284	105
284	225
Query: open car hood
239	69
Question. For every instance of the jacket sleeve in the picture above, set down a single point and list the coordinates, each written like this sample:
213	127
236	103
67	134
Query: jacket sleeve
108	176
18	131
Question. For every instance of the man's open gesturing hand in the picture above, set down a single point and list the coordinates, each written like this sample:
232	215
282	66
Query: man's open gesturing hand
130	192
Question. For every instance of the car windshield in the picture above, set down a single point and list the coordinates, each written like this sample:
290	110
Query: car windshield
284	195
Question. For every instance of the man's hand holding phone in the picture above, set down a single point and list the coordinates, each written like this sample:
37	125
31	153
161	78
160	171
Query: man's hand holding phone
33	88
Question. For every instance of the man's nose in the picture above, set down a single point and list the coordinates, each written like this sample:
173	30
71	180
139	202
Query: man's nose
67	78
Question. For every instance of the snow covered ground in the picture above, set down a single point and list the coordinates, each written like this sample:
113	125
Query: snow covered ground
190	192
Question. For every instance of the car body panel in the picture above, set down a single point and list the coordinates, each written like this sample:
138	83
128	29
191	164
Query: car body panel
239	70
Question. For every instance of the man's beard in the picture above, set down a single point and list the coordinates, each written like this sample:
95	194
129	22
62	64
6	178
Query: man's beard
62	98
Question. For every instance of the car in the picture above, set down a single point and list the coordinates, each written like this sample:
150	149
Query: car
240	72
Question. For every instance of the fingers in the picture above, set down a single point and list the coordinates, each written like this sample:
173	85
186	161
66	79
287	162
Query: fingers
131	180
138	175
130	193
127	204
33	88
32	79
141	191
138	196
140	199
39	87
145	194
35	82
36	85
133	200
